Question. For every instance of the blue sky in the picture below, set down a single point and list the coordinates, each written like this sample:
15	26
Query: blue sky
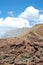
20	13
11	10
18	6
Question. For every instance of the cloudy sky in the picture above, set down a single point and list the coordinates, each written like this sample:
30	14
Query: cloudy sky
20	13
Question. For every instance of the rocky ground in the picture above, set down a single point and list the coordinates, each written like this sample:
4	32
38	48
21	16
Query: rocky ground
21	51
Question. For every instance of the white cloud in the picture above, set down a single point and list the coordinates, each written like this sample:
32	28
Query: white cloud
1	19
14	22
33	15
30	15
41	18
10	13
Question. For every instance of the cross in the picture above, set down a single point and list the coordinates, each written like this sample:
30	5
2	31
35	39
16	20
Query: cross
25	24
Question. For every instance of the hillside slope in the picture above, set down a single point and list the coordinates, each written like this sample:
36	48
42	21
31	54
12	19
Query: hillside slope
16	33
25	50
35	30
38	29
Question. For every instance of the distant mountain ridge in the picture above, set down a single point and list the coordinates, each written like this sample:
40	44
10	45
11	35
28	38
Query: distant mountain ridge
16	33
5	29
38	29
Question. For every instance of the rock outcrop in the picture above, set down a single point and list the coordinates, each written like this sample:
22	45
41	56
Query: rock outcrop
19	51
